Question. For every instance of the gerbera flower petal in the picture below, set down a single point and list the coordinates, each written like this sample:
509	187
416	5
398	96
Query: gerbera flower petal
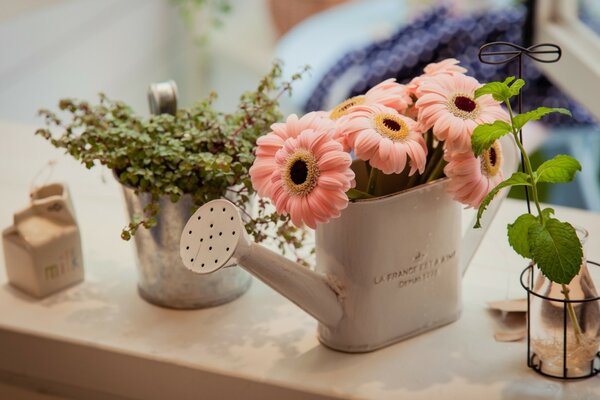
332	161
385	148
320	201
417	156
366	144
389	93
448	66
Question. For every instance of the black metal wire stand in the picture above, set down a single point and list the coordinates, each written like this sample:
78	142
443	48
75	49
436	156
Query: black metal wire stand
499	53
533	360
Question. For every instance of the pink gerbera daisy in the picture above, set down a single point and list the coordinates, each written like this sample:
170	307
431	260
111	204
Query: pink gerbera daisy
388	93
310	176
386	139
269	144
448	66
448	104
472	178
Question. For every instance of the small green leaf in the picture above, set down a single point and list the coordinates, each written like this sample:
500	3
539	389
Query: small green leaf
520	120
518	233
515	88
517	179
560	169
508	80
499	91
355	194
485	135
556	249
547	212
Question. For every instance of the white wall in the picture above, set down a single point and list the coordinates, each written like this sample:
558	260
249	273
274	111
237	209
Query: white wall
78	48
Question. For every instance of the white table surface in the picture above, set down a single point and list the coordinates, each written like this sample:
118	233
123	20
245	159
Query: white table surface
100	340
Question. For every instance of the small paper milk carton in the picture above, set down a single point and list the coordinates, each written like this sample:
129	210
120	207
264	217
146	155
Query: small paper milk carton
42	249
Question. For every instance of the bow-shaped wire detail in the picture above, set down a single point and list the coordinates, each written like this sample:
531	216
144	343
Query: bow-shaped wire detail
488	55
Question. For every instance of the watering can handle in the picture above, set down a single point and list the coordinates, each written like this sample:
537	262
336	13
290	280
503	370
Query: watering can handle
472	237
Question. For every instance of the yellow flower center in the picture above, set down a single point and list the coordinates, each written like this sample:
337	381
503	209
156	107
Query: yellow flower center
344	108
463	106
301	172
391	126
491	160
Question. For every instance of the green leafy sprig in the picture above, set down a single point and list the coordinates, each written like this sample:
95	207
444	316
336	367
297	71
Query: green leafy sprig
552	244
199	152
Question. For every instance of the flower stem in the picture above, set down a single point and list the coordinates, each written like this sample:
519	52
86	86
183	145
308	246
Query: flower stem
527	164
440	163
438	172
572	315
372	181
429	140
413	180
434	160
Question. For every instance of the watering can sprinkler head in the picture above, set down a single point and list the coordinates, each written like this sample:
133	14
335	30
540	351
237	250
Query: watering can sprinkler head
213	237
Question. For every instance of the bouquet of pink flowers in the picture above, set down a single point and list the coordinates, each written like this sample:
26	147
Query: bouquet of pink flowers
422	129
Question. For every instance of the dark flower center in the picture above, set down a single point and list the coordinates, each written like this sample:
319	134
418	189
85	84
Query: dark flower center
346	106
491	160
464	103
299	172
391	124
492	156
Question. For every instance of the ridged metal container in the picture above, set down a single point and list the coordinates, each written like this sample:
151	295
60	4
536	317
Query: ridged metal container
163	279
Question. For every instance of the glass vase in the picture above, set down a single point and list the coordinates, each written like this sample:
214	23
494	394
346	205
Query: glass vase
563	335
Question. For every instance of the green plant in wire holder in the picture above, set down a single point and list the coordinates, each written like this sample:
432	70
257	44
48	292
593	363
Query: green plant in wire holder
199	151
551	244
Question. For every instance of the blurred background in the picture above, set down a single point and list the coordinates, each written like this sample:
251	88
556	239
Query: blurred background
76	48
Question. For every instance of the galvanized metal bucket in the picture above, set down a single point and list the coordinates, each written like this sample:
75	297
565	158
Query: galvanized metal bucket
163	279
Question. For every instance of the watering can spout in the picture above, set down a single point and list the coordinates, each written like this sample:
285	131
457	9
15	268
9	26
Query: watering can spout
309	290
215	237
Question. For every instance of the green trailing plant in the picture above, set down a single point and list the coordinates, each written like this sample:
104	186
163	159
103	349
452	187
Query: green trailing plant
199	152
551	244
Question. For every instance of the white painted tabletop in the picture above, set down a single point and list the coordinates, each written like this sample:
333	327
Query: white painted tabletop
100	340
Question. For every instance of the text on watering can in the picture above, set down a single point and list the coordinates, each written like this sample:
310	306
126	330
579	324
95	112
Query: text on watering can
420	271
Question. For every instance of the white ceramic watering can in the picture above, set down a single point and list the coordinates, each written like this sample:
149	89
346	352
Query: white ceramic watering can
388	268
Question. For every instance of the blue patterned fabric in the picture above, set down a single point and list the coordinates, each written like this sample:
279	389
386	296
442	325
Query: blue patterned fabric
436	35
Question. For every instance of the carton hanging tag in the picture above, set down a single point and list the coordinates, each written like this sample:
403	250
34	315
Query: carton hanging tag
42	249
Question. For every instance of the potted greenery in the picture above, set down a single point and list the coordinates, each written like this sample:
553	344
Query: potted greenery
168	166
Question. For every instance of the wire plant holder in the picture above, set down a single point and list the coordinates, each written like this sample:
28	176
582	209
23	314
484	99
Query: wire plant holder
533	360
501	53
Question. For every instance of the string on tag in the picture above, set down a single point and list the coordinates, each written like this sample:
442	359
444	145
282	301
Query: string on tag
44	175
